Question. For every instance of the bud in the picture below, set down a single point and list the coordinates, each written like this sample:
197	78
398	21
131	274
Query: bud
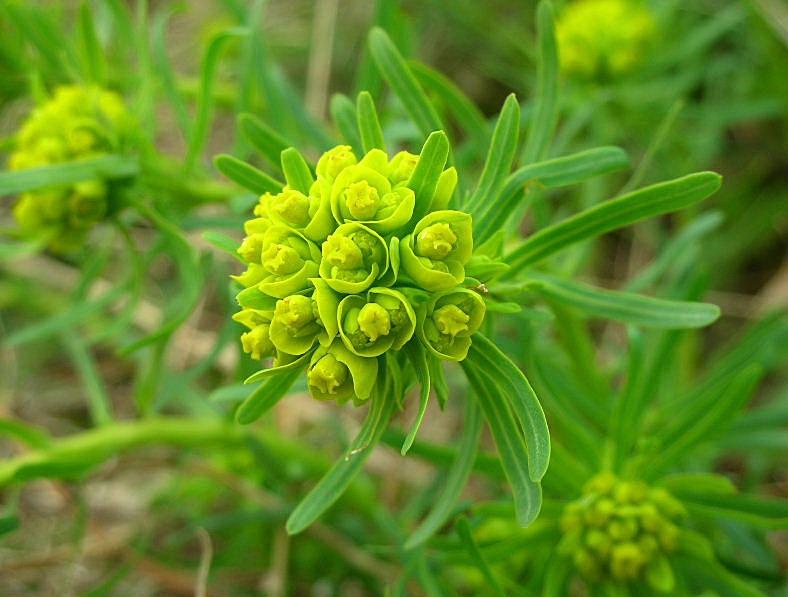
295	326
402	166
309	215
257	342
289	261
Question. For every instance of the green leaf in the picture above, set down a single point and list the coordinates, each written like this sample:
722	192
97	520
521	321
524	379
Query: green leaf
645	203
106	167
206	96
771	513
90	49
511	445
263	138
545	114
8	524
343	112
266	396
628	308
329	489
522	399
466	537
368	124
223	243
424	179
297	364
249	177
99	402
297	173
394	69
456	479
499	158
165	73
466	114
438	379
557	172
27	434
707	575
418	359
689	428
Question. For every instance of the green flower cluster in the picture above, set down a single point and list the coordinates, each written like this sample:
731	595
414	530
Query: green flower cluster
76	123
339	274
600	38
622	530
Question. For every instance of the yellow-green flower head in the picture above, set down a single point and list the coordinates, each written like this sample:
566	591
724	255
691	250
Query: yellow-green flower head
601	38
335	373
434	256
353	258
336	277
364	193
371	325
621	531
76	123
448	320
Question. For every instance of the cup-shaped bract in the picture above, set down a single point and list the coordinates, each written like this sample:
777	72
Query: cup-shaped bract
401	167
257	341
448	320
288	261
434	256
363	193
353	258
334	161
308	214
370	326
335	373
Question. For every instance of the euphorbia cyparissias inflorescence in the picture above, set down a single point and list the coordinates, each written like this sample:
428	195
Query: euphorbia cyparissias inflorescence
621	531
76	123
344	274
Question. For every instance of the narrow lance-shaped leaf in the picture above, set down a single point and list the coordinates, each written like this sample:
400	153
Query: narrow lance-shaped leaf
394	69
343	112
424	179
466	114
266	396
545	112
522	399
771	513
617	213
330	488
90	48
105	167
165	72
368	124
499	158
511	446
629	308
263	138
246	175
418	359
205	97
296	170
557	172
464	531
456	479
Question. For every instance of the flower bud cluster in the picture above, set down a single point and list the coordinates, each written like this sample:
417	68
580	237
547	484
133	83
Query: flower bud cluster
604	38
76	123
621	530
342	274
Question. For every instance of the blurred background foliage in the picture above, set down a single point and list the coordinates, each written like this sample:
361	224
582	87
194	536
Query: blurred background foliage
709	91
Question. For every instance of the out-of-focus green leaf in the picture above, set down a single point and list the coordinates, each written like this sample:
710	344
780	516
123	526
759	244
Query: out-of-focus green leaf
266	396
106	167
394	69
249	177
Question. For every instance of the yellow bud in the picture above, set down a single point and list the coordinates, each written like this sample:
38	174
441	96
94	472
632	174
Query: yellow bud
292	206
281	260
362	200
295	311
436	241
327	375
251	248
451	320
257	342
374	321
342	252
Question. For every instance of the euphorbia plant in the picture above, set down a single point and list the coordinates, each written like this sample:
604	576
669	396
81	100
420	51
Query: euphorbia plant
411	266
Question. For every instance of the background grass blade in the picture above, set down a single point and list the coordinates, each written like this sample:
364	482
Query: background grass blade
108	167
263	138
